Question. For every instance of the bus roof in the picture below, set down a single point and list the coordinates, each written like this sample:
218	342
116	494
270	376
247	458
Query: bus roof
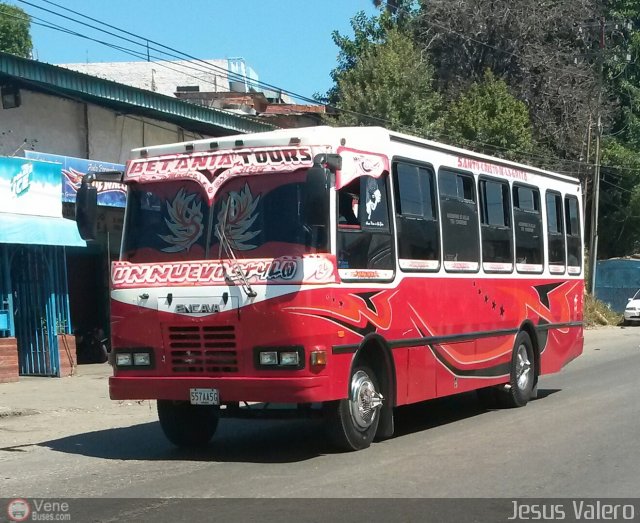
353	137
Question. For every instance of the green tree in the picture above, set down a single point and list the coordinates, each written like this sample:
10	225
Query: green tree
383	79
15	37
490	119
619	213
399	10
535	47
367	31
619	205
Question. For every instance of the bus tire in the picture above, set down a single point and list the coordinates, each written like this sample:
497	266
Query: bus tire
186	425
352	423
522	373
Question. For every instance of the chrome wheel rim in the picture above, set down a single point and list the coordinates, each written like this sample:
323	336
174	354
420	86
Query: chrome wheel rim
523	367
364	400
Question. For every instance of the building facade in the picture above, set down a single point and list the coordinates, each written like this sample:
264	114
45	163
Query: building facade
51	282
34	295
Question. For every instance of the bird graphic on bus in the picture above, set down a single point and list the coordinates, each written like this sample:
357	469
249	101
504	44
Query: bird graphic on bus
184	222
237	214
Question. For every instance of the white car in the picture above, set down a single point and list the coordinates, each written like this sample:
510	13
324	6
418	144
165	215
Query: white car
632	310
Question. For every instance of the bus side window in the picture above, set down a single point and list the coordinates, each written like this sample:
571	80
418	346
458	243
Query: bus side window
363	231
497	236
459	218
528	227
574	236
347	206
416	217
555	232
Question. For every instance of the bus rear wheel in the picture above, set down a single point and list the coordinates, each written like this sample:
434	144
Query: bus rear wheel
520	388
522	375
186	425
352	423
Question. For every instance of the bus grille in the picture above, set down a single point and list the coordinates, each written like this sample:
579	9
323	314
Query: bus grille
202	349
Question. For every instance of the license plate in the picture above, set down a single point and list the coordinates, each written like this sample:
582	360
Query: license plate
204	397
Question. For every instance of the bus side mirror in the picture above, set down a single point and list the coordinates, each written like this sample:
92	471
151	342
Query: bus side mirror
87	210
316	197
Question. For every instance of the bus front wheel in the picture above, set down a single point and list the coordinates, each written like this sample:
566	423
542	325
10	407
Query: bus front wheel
187	425
352	422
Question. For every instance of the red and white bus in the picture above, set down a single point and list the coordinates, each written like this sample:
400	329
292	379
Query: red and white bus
351	270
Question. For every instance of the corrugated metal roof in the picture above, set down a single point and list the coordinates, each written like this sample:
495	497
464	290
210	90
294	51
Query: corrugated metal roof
71	84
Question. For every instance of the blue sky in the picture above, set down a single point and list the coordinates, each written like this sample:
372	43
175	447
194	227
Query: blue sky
287	42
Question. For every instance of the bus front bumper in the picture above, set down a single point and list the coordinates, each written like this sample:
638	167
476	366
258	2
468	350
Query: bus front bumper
310	389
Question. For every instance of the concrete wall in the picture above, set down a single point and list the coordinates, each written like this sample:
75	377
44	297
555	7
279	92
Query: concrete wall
112	135
56	125
52	124
47	123
161	76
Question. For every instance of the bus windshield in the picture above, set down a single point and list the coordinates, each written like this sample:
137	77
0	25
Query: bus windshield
261	217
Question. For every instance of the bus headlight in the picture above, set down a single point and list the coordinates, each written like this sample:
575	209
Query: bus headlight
284	358
268	358
141	359
289	358
134	357
123	359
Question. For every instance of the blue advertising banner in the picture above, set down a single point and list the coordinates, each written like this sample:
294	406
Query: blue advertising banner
110	194
30	187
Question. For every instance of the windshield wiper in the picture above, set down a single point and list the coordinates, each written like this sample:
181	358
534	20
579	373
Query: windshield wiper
231	256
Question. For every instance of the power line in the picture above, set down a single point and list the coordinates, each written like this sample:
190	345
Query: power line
180	54
129	51
405	128
136	54
617	186
140	54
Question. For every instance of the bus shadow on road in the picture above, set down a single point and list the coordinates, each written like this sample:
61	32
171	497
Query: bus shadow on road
544	393
253	441
443	411
259	441
426	415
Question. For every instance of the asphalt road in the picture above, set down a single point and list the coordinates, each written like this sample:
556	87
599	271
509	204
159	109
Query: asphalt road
578	440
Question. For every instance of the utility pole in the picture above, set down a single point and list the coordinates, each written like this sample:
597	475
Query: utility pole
585	195
595	197
593	250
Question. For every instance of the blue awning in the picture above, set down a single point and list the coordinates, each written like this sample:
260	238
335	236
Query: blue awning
39	230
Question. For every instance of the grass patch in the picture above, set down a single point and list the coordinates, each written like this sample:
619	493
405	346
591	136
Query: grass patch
598	313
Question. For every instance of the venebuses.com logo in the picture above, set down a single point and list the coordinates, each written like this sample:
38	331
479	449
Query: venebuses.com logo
18	510
38	510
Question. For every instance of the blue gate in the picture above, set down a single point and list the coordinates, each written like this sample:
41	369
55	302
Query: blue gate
40	306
